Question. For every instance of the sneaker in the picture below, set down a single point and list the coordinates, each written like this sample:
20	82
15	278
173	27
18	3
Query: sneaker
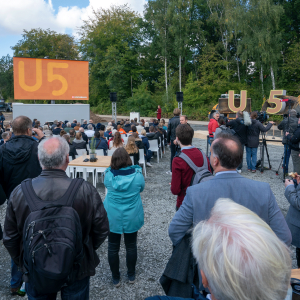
131	279
148	164
239	171
169	173
116	282
249	170
17	292
253	171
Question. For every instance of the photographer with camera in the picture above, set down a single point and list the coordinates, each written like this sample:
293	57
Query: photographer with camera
293	142
253	132
288	125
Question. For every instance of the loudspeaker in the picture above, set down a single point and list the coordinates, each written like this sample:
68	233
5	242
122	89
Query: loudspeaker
113	97
179	96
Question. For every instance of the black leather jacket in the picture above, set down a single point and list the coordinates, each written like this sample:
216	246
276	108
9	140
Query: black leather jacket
51	185
173	123
288	125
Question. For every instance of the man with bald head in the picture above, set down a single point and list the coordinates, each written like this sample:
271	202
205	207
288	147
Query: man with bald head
226	155
50	187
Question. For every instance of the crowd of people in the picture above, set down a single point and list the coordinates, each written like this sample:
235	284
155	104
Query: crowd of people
52	234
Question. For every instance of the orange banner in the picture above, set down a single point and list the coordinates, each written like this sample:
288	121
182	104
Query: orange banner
50	79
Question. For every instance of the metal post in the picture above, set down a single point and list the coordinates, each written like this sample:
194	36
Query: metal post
52	101
180	107
114	111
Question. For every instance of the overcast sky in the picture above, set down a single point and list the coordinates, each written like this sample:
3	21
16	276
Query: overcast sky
63	16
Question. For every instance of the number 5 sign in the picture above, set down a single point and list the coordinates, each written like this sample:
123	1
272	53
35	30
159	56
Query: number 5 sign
50	79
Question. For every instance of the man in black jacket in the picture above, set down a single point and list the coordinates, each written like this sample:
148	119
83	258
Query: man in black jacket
19	161
293	141
54	158
173	123
240	131
288	125
84	136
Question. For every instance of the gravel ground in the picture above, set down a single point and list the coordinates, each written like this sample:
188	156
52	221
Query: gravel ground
154	246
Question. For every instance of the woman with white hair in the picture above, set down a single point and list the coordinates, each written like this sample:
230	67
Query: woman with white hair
239	256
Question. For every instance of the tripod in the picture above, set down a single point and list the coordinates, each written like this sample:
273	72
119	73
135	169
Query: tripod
263	146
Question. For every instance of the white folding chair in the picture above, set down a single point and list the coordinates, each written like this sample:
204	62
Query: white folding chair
154	147
132	159
160	147
125	140
88	146
142	160
80	152
110	152
100	152
123	135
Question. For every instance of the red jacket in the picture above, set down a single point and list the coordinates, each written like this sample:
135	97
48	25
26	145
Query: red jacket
212	126
158	113
182	174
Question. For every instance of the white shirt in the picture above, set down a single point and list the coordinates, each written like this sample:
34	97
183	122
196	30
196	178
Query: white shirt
89	133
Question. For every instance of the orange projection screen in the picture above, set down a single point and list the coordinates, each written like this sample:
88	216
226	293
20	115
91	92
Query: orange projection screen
50	79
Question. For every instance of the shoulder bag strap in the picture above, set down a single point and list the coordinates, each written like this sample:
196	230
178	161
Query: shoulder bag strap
30	197
189	162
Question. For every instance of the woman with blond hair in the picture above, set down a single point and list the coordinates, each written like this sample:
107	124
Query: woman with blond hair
116	142
78	142
132	149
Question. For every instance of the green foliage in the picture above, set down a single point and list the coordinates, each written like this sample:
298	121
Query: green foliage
6	78
39	43
142	101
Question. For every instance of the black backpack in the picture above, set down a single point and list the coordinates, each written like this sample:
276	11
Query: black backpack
52	239
201	174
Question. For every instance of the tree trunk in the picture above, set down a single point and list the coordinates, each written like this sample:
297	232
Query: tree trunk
166	76
238	68
273	78
262	79
180	73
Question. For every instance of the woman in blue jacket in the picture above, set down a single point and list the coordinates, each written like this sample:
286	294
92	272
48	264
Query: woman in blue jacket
123	204
2	119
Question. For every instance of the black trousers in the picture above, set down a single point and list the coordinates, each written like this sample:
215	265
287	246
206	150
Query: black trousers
298	257
114	240
173	152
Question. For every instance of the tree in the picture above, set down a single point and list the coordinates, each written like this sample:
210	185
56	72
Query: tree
6	77
39	43
110	41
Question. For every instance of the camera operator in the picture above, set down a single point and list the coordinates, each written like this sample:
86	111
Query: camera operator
253	132
288	125
293	142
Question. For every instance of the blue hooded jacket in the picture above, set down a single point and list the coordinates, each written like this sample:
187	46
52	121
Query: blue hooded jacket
123	202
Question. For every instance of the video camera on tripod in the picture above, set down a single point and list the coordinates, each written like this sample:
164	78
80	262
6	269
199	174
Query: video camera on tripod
262	116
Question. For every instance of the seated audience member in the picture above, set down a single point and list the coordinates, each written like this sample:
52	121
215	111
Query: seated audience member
108	132
121	130
226	155
164	124
182	173
133	129
64	125
140	127
84	136
62	133
72	152
148	152
153	135
48	133
37	124
7	127
292	218
151	122
234	248
98	127
92	123
45	127
92	227
127	127
54	124
99	142
57	129
76	128
135	122
5	137
84	125
138	141
74	123
113	124
132	149
33	122
90	132
72	135
146	126
124	211
102	127
116	141
78	142
68	127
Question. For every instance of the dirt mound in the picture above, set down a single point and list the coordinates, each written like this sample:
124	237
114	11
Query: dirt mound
96	119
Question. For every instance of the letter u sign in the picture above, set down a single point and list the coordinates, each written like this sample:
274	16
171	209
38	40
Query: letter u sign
243	101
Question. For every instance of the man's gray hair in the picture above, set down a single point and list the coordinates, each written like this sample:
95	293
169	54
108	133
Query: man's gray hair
5	135
68	124
215	113
240	255
85	121
90	127
293	113
81	129
53	156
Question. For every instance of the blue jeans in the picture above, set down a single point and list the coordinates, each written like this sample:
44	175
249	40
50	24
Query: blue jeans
79	290
251	158
148	155
287	154
16	276
210	140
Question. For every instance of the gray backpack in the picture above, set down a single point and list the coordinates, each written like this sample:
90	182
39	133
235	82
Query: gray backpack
201	174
